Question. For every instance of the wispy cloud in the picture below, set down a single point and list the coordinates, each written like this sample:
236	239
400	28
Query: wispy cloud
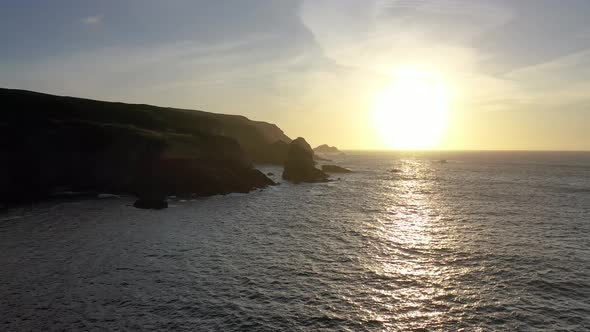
92	20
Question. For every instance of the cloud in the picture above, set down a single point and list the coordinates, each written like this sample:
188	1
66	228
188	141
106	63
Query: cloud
91	20
558	82
389	35
454	38
540	31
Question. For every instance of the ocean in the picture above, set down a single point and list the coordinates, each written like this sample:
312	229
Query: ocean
485	241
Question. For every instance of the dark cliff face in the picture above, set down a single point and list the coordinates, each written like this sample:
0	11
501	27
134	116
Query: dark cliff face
300	165
253	136
50	143
275	153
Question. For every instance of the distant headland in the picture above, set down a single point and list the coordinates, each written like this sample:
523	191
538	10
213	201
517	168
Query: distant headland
326	149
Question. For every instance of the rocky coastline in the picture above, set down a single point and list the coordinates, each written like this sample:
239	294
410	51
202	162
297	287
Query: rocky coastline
64	144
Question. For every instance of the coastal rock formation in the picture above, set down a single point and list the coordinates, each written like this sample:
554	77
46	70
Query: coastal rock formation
52	143
254	137
274	153
335	169
197	177
326	149
300	166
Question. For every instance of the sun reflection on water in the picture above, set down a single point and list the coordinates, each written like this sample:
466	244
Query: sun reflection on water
406	249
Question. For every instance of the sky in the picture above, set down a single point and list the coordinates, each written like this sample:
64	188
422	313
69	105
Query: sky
517	72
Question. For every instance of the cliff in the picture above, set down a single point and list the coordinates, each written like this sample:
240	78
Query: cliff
33	106
51	143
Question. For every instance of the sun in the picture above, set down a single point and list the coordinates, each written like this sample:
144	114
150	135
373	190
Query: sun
412	112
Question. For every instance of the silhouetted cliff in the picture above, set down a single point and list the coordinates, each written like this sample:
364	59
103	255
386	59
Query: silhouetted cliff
50	143
33	106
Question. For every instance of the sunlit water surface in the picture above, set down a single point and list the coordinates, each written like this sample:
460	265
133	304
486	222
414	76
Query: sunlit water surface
486	241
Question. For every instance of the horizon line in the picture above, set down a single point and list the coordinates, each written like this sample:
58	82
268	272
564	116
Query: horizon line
460	150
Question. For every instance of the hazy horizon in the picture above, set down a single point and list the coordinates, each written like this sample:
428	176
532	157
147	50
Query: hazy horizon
360	75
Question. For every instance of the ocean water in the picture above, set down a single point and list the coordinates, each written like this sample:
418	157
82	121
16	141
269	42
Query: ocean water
486	241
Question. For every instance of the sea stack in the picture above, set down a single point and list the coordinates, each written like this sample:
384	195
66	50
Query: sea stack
300	166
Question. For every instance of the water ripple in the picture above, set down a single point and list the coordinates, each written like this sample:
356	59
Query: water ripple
465	245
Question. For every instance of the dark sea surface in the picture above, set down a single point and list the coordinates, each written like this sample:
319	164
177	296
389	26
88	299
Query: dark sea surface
486	241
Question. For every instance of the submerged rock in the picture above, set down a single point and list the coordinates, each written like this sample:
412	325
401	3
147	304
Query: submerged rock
335	169
151	201
300	166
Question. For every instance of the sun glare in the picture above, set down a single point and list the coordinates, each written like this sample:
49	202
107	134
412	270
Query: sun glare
412	112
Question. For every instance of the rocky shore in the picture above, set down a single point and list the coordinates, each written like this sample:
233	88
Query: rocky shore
62	144
51	143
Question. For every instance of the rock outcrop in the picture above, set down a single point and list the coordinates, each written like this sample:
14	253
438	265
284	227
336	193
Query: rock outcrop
197	177
326	149
335	169
300	166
